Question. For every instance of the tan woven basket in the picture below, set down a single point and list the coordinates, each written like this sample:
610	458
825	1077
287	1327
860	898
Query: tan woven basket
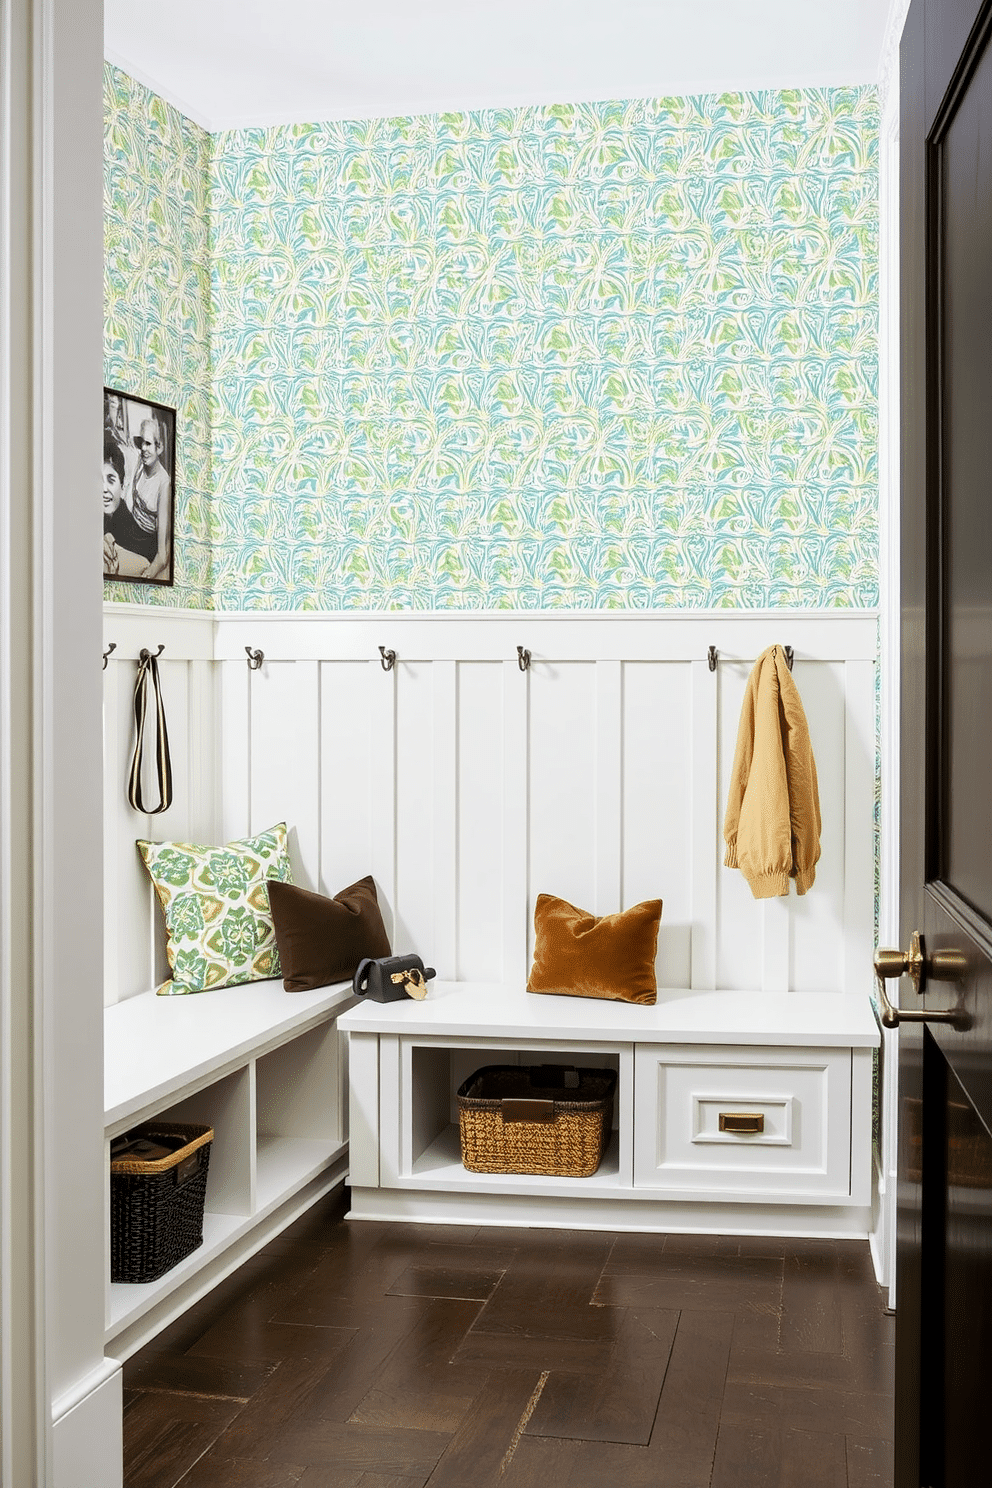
542	1119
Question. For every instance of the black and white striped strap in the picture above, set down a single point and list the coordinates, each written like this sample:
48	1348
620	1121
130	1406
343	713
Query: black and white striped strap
148	666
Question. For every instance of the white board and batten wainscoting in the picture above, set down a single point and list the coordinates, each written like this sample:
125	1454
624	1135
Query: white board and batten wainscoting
467	786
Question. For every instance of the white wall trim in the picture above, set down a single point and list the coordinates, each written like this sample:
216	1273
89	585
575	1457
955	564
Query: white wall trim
81	1388
884	1239
25	1437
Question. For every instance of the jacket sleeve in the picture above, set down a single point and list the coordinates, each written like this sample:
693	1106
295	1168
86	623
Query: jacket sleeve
804	796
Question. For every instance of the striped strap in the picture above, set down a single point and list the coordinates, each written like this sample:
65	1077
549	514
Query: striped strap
148	666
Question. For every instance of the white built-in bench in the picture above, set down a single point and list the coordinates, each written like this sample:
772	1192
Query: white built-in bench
803	1063
264	1068
466	786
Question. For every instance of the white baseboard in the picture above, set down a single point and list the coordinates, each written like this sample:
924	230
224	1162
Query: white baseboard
87	1438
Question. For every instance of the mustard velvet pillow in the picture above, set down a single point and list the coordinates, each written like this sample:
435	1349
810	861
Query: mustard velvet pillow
579	955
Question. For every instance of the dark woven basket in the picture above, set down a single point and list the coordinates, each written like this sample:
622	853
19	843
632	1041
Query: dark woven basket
156	1208
546	1119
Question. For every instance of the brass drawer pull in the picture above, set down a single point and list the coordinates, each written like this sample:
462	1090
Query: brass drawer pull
747	1122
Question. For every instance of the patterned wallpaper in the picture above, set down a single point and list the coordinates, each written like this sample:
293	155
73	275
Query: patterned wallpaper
609	355
157	303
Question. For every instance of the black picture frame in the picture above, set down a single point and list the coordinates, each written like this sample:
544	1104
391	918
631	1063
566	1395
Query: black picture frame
139	489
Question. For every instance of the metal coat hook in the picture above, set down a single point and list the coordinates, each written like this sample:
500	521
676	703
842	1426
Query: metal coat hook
106	654
523	659
387	659
145	655
712	654
255	659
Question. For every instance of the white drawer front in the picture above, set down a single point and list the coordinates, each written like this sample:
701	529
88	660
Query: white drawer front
799	1098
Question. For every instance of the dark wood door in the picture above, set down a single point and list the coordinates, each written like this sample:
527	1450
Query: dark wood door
944	1265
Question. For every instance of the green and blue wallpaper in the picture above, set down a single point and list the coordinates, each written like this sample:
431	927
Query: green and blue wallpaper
604	355
157	302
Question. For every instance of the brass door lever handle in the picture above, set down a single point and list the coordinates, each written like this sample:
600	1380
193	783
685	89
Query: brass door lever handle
939	966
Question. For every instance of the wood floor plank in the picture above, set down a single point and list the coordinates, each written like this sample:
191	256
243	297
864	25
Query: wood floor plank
769	1457
813	1459
290	1389
543	1462
390	1450
515	1351
688	1417
869	1462
445	1281
188	1374
331	1477
706	1282
213	1472
398	1329
620	1404
747	1457
419	1386
244	1336
164	1435
811	1316
819	1408
479	1451
550	1300
438	1399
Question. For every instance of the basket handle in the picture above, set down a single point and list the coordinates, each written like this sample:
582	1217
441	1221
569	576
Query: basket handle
518	1109
188	1167
558	1076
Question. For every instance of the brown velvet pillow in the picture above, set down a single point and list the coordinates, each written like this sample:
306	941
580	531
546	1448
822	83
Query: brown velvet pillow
322	940
578	955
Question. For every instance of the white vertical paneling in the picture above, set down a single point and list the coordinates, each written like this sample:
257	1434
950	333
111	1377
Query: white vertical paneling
859	848
390	1109
737	916
817	918
234	727
482	821
202	752
113	865
443	945
363	1110
346	774
657	773
776	942
134	941
608	787
517	922
176	824
466	787
415	806
285	759
562	845
382	800
704	837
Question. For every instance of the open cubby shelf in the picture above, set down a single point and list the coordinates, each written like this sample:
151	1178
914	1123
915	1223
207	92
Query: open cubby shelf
265	1070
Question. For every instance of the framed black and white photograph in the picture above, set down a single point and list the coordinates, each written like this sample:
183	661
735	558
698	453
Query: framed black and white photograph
139	489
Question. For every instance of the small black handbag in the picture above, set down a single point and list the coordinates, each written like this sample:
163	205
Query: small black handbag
392	978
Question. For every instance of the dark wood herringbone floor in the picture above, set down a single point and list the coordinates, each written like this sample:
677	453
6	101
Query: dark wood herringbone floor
357	1355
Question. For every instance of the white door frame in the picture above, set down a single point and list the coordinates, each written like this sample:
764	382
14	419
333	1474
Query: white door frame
52	1200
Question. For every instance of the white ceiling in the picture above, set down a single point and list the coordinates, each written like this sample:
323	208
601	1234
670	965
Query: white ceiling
235	63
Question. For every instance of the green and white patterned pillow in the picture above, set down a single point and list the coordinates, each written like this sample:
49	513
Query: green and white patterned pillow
216	908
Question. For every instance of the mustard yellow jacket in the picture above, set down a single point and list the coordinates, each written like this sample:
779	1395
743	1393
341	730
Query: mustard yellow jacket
772	826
